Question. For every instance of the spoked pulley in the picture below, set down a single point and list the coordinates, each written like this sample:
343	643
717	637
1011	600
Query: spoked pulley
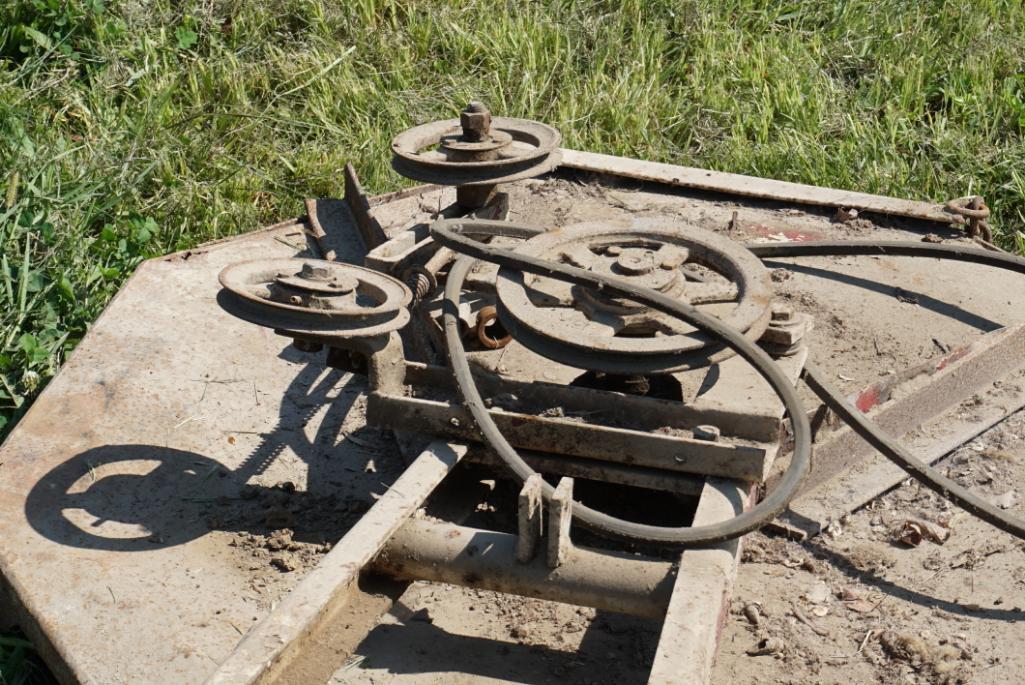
588	329
315	297
475	152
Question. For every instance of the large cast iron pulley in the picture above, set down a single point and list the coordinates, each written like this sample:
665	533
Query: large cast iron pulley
588	329
463	237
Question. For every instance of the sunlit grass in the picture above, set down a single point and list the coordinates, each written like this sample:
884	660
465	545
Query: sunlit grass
136	128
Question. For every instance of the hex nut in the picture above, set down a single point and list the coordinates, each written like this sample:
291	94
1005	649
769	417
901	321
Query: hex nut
787	333
476	121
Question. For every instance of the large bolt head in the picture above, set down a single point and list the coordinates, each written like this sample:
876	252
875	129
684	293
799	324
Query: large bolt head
314	273
476	121
787	333
782	313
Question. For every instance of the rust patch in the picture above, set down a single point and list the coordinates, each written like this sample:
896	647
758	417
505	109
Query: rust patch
766	231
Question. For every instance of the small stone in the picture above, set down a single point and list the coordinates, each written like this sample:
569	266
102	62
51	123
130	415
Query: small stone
283	562
753	613
859	606
1006	500
768	646
280	540
844	214
818	593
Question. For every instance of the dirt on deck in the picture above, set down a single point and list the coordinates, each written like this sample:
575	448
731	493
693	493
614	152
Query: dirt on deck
855	605
861	604
286	464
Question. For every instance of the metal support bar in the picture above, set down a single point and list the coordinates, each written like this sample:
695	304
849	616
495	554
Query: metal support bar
441	552
577	438
701	594
369	228
751	186
327	251
865	479
715	404
603	471
936	388
560	516
265	652
529	519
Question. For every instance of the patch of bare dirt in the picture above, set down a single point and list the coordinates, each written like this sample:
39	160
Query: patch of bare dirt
866	603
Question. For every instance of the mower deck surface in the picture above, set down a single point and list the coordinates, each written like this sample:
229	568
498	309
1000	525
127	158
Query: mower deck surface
185	469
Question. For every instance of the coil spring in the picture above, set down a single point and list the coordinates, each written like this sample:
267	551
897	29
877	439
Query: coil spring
421	285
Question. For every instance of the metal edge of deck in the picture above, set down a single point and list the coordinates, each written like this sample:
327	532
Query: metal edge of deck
701	593
43	634
753	186
843	458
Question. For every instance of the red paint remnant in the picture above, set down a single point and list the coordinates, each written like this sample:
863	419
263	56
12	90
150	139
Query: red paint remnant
867	399
952	357
789	234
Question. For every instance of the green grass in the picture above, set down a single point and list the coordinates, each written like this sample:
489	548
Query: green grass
19	664
129	129
135	128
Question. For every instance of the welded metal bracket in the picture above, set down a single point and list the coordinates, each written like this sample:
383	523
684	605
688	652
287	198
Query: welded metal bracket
558	545
529	519
560	516
370	229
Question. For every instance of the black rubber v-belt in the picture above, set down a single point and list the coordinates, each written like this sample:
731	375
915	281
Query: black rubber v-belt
455	234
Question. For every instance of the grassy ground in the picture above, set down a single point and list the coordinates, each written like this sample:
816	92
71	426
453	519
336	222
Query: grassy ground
20	665
128	129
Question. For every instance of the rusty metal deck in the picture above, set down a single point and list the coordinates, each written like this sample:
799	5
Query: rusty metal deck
218	431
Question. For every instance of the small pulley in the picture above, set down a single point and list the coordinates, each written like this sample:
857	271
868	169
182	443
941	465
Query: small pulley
315	297
476	152
589	329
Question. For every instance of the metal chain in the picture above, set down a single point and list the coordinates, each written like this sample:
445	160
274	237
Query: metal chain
974	212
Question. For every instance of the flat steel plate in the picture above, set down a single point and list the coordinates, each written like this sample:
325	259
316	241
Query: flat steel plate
145	571
139	495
